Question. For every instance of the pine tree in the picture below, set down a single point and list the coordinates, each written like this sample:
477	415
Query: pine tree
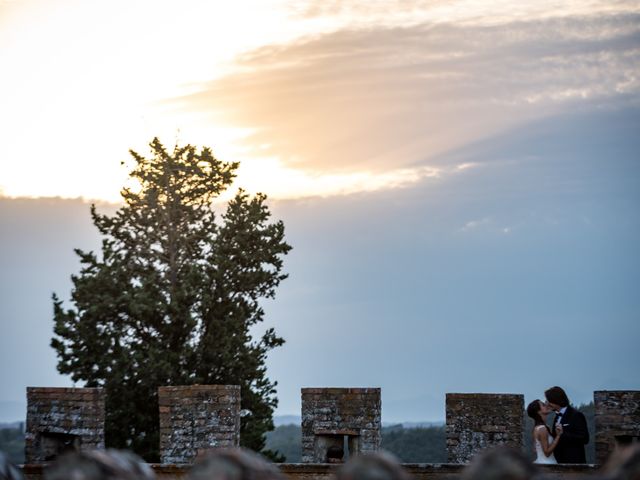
173	296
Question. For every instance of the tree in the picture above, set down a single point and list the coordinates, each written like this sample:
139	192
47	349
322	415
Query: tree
174	296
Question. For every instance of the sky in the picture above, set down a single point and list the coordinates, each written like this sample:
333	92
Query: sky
460	180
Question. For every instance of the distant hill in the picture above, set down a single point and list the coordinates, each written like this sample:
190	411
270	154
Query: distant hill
12	441
414	424
287	441
279	420
11	425
410	445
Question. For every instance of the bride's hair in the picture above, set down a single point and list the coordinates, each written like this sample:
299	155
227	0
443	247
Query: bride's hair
533	410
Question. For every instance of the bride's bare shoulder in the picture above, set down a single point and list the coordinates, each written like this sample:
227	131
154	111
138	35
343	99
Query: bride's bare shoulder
539	429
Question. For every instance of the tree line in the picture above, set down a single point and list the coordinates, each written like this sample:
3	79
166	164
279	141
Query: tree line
410	445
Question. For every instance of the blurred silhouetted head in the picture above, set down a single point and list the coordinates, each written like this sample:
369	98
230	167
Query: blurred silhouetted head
373	466
624	464
500	463
99	465
234	464
7	470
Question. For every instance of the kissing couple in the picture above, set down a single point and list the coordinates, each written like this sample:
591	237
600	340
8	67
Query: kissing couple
564	442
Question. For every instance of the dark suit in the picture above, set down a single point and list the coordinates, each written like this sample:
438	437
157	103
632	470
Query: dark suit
575	436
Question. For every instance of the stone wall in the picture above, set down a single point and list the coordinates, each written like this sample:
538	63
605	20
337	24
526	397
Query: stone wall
197	418
342	417
62	419
476	421
617	419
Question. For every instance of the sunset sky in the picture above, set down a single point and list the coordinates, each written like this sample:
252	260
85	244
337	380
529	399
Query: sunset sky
460	180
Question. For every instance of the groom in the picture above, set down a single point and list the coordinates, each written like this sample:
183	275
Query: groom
575	434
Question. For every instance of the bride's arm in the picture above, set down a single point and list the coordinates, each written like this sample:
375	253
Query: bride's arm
543	438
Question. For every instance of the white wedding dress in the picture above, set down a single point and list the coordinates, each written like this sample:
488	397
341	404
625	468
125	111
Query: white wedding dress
540	456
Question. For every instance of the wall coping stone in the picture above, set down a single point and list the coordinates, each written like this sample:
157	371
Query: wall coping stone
63	389
615	391
339	390
482	396
208	388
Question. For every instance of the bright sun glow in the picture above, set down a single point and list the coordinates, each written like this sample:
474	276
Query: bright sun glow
285	182
88	80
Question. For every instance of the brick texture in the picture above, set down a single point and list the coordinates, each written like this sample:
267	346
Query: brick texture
61	419
197	418
329	415
617	419
476	421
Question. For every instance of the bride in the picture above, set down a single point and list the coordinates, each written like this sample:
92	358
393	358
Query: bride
544	442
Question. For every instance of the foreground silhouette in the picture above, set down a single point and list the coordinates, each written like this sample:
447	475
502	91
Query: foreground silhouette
500	463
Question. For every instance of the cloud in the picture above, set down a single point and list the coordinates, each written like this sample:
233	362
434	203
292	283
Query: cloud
474	224
379	99
486	224
470	12
371	11
286	182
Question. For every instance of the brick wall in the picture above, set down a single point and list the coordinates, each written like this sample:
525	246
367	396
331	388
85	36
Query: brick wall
197	418
331	416
60	419
617	419
476	421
